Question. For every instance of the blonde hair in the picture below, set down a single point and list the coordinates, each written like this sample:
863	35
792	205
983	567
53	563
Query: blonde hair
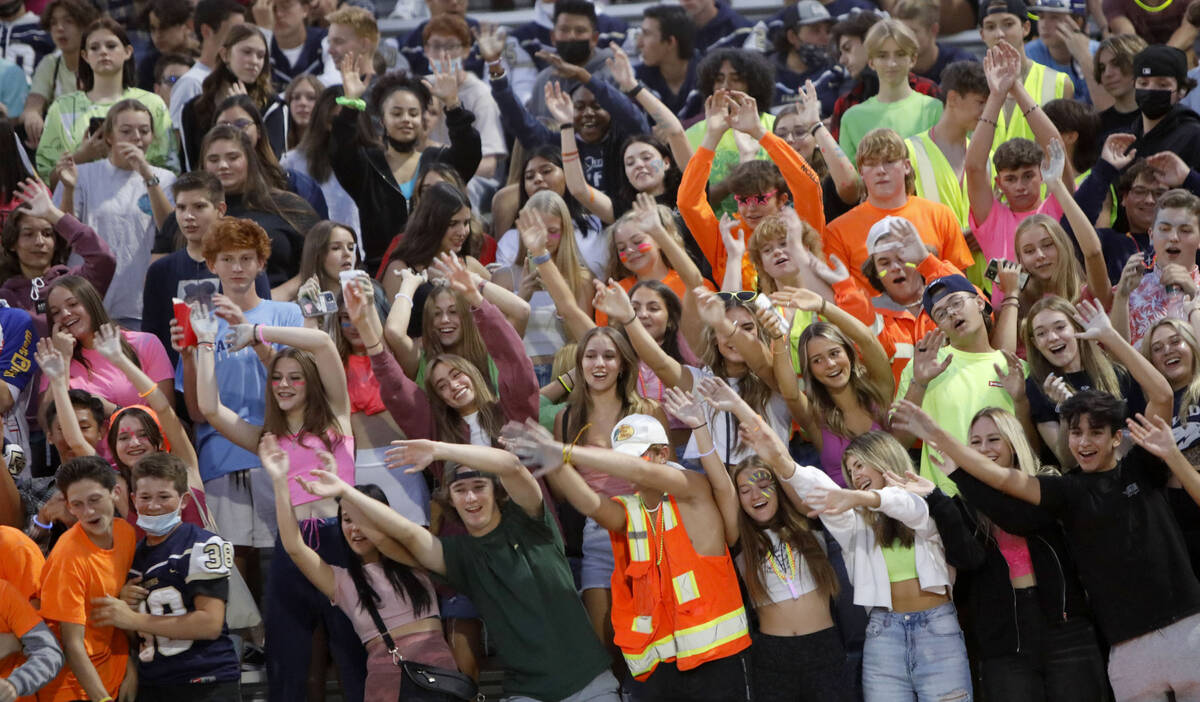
567	258
1067	279
359	19
1099	368
1191	393
890	29
1010	428
923	11
775	228
885	145
616	267
881	452
753	389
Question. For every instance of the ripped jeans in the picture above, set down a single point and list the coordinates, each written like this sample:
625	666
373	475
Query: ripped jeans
916	656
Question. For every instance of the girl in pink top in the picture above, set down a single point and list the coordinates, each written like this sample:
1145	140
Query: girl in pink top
76	311
402	595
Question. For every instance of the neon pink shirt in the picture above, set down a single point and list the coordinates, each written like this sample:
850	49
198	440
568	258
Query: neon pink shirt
1015	552
105	380
302	456
995	234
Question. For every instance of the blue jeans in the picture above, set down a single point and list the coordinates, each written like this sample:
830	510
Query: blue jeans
916	656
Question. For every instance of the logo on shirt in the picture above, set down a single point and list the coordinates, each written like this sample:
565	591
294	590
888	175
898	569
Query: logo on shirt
995	384
1131	490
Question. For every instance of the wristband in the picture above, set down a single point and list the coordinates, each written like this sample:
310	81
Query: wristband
629	321
541	258
206	345
377	343
709	452
39	525
632	92
402	296
498	61
353	103
148	392
258	333
701	424
812	131
562	380
151	181
1031	109
992	122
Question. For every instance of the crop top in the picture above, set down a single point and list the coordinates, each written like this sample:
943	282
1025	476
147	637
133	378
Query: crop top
1015	552
396	611
302	456
785	574
901	562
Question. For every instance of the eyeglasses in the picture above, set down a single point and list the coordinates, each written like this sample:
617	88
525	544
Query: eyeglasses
953	305
797	133
760	199
739	295
239	124
1142	193
438	47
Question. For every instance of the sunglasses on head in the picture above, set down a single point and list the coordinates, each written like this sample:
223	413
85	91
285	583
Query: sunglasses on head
760	199
740	295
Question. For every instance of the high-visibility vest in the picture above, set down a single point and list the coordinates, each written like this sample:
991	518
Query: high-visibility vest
1043	84
935	178
668	602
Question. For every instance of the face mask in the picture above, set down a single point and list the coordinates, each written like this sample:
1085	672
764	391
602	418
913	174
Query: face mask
575	52
404	147
1153	103
814	56
160	524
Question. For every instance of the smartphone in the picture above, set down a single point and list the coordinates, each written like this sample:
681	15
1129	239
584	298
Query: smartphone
94	125
993	271
324	304
183	317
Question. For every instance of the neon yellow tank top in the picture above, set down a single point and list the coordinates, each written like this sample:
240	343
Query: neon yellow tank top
901	562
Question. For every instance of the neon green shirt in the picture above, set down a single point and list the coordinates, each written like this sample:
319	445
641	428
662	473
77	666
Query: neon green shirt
725	157
912	115
935	177
968	385
1043	84
67	123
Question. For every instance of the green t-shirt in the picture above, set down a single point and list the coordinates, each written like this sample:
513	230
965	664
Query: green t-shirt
518	578
67	123
725	157
968	385
912	115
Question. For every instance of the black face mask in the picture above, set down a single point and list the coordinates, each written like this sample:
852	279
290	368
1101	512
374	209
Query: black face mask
576	51
813	56
404	147
1153	103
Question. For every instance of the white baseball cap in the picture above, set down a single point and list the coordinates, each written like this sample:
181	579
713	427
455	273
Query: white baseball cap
636	433
879	230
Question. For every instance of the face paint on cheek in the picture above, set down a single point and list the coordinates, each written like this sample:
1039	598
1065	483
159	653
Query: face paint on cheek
644	246
656	165
768	490
623	255
910	265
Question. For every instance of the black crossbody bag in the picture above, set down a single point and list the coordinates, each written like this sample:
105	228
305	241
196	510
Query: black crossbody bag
451	683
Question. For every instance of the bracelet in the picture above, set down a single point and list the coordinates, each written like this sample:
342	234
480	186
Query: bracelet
562	380
353	103
570	154
541	258
992	122
39	525
812	131
701	424
498	61
632	92
1031	109
631	320
206	345
496	75
708	452
148	392
402	296
368	348
258	333
151	181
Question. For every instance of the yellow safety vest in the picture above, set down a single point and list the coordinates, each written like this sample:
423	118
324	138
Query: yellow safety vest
936	179
1044	84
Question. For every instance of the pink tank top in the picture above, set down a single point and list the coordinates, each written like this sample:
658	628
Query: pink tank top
832	448
302	455
1015	551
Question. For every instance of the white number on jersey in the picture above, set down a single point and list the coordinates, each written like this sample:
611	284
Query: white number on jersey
164	602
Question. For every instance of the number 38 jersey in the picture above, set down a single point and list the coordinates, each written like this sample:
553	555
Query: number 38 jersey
191	562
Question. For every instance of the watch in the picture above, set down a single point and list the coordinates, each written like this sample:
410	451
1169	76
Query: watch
152	181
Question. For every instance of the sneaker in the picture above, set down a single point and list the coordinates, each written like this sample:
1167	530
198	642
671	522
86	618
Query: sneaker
253	658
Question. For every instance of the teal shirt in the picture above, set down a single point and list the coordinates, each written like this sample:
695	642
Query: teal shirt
912	115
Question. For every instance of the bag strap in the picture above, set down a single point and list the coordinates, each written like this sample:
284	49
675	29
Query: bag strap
388	642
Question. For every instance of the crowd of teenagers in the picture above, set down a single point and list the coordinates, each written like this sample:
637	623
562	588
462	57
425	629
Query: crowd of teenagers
802	358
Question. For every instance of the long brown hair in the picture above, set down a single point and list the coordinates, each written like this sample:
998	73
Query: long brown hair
1099	368
261	90
257	193
448	421
791	527
881	452
10	264
751	388
318	415
470	341
865	392
93	304
579	402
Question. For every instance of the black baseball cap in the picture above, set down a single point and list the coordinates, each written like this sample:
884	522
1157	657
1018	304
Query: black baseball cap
1161	60
942	287
999	7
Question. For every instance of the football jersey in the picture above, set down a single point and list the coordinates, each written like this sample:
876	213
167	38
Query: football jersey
190	562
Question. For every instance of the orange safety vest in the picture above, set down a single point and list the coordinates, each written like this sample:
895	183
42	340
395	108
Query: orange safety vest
668	602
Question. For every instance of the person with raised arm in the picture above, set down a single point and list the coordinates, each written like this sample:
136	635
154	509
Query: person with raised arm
689	646
761	188
895	558
510	563
1127	546
380	578
797	651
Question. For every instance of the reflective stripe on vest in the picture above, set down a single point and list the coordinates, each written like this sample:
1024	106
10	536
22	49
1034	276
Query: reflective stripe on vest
690	642
637	529
903	351
800	321
1036	84
925	174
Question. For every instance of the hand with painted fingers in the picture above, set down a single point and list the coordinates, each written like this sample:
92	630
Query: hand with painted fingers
1012	376
1116	150
909	417
1153	434
491	40
1176	277
620	68
798	298
50	361
1172	170
107	340
1056	389
684	407
204	324
1131	275
926	366
1054	162
612	300
912	482
534	445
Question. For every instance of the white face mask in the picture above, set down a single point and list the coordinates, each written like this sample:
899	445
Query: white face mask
160	524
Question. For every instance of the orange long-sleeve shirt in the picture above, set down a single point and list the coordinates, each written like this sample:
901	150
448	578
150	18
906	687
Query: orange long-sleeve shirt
703	224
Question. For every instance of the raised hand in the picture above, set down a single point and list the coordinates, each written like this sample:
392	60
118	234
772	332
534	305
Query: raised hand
68	173
35	200
413	455
999	70
1117	152
684	407
832	500
798	298
358	296
1094	321
908	417
107	341
491	40
1009	277
136	158
532	229
50	361
1131	275
612	300
717	117
1172	171
1011	376
533	445
745	116
323	484
445	81
451	267
830	273
274	459
559	105
204	324
712	311
925	363
911	482
1055	161
264	14
718	394
239	336
1056	389
763	440
351	69
646	209
225	308
620	68
771	322
810	105
1154	435
732	238
564	69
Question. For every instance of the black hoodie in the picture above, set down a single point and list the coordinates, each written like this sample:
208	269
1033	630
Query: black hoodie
1179	131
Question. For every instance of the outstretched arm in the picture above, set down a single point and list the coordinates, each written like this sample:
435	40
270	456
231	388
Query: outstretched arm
396	330
1160	400
1002	68
520	485
53	366
276	463
690	411
1154	434
242	433
563	111
612	300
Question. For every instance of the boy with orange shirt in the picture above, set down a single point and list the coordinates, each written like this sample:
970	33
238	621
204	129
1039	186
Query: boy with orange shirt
22	563
90	560
40	659
760	189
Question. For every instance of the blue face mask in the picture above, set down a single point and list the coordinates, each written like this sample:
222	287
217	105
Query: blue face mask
160	524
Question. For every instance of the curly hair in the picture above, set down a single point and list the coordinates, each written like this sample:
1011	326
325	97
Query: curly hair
232	233
753	67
